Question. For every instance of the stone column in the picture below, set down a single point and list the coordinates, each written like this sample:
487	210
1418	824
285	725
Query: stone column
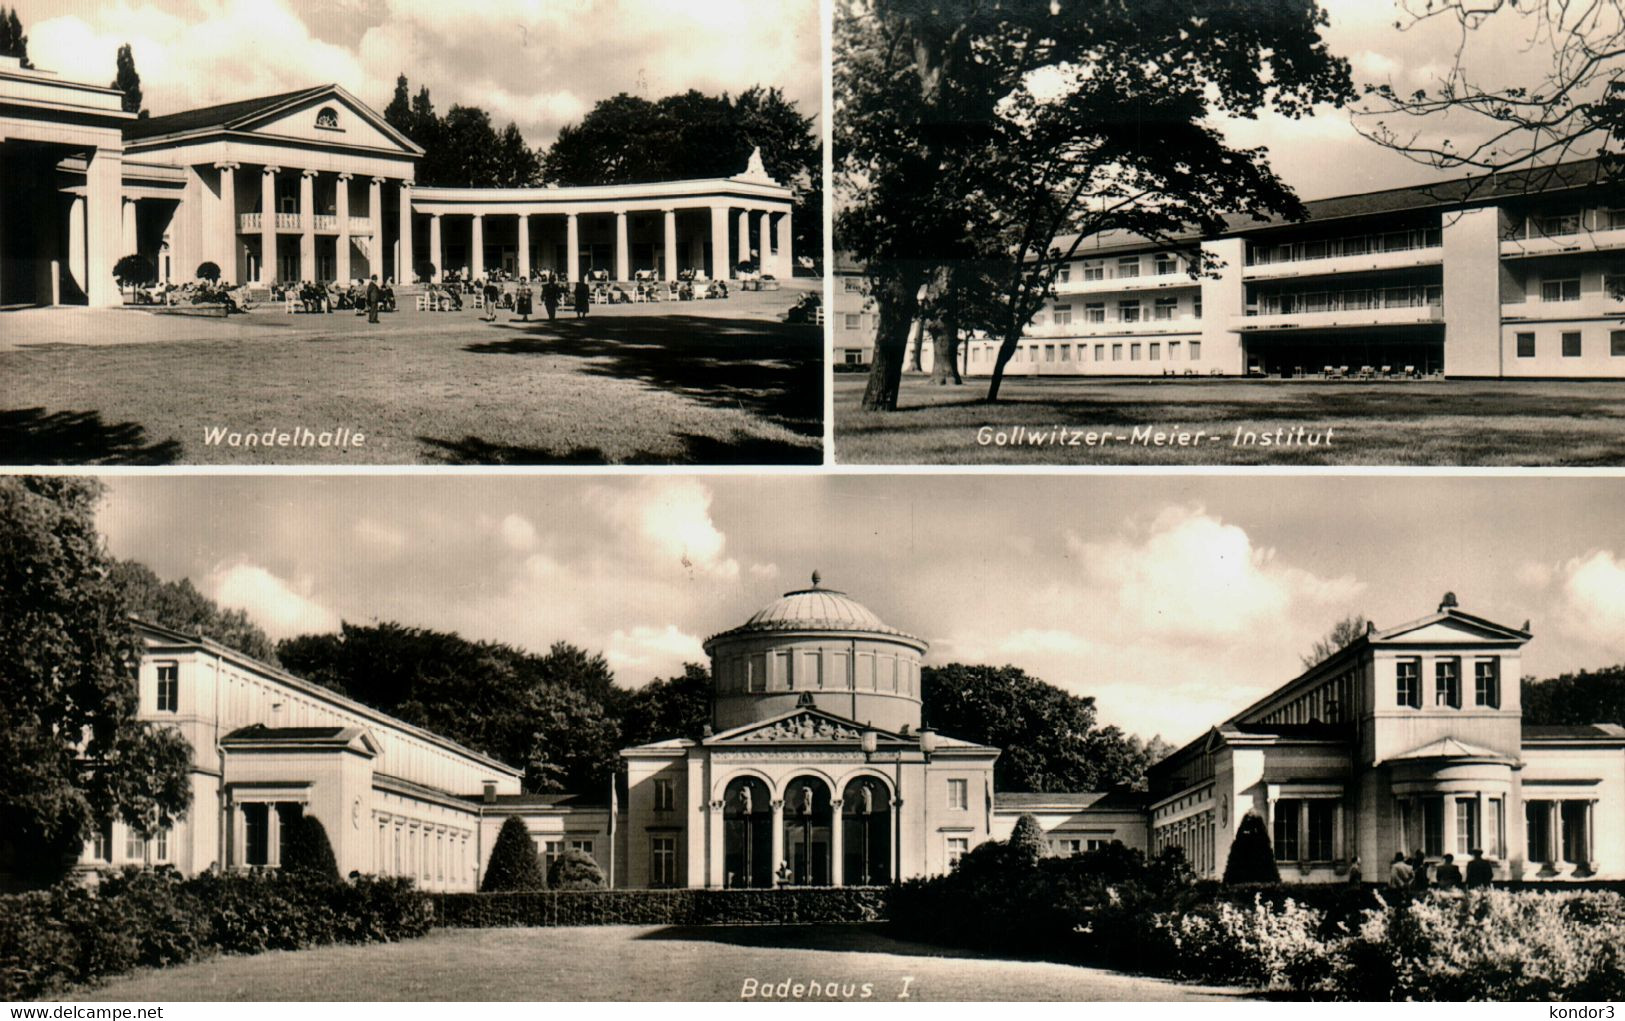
670	218
476	242
104	187
223	248
765	261
744	239
77	268
1590	841
436	253
623	253
778	835
128	235
1554	831
719	242
524	244
307	225
405	271
572	247
268	224
837	857
781	242
1448	808
341	249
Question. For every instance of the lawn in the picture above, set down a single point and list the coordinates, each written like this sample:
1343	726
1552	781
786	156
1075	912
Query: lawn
691	383
1370	423
635	963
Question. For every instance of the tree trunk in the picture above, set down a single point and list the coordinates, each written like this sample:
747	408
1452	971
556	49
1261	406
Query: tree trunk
916	338
945	353
896	301
1006	350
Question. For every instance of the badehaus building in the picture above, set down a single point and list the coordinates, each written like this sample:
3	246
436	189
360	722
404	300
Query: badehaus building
1512	275
817	767
315	185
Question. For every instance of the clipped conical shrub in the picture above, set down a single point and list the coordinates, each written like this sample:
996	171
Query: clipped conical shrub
1252	858
1027	838
514	864
306	851
575	870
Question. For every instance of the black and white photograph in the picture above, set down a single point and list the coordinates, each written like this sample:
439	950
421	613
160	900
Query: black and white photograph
1349	232
411	233
362	738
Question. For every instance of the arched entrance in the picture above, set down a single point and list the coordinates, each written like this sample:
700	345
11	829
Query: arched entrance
747	818
807	831
866	832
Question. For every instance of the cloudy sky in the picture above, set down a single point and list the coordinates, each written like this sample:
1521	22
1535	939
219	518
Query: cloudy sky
1174	601
540	63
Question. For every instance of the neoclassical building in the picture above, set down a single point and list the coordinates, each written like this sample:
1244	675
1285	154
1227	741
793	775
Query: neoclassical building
314	185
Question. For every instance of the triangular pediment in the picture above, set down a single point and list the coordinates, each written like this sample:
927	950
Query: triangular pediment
1450	627
329	116
799	726
1450	748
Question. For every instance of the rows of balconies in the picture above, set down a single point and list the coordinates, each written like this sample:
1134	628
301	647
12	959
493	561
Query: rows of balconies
1581	241
1118	328
1591	306
1149	282
294	223
1420	314
1366	262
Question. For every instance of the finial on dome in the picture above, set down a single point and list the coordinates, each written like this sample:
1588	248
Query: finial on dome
816	578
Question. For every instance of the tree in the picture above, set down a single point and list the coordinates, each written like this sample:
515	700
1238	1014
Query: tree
1049	738
134	270
573	744
128	81
1037	124
208	271
179	605
73	755
1575	105
667	707
514	865
575	870
1589	696
13	40
1343	634
1027	838
306	851
398	114
1251	858
462	149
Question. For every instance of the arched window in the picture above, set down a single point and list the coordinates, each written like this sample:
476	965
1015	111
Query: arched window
327	118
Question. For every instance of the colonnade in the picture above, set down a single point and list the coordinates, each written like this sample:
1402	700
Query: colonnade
306	223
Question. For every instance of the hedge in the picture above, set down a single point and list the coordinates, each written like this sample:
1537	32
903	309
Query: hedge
72	934
659	907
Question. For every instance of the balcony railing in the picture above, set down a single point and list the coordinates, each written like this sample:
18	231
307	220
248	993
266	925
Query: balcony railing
1116	328
1591	306
1409	314
1260	254
289	221
325	222
249	223
1150	281
360	225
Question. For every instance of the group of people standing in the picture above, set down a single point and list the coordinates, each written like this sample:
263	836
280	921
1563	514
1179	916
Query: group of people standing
1414	873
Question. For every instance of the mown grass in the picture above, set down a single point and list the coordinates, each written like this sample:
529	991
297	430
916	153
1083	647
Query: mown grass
1432	423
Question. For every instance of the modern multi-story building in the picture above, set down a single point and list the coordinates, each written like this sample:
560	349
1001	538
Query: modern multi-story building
817	762
314	185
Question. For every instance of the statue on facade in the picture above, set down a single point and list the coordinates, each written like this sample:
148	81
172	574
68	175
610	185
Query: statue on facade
806	801
744	800
866	800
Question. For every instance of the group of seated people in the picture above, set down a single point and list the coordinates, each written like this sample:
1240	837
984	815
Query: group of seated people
196	292
334	295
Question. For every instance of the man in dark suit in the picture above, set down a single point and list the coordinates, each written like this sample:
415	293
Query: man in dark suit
372	298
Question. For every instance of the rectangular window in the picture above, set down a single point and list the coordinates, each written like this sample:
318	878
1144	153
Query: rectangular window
1164	265
1095	270
160	845
1128	311
663	861
1466	826
1094	312
1286	829
957	846
1408	689
1165	308
1447	683
1173	350
959	794
1571	344
1562	289
1537	827
1495	828
852	285
758	672
1066	352
1100	352
1433	826
1196	350
1049	352
1063	315
1134	352
1572	817
1616	344
1128	266
1322	826
552	851
135	849
1156	351
665	794
256	834
1065	847
584	846
1526	345
101	846
1064	274
169	687
1487	683
852	319
1117	352
1093	844
783	672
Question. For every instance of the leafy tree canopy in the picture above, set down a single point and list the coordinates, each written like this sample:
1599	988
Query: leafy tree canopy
1049	738
1340	637
463	148
1590	696
128	81
179	605
72	753
13	40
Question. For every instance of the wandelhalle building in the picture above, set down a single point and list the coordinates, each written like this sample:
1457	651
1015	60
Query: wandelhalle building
1512	275
314	185
817	760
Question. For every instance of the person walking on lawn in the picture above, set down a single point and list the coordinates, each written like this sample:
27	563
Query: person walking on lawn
372	299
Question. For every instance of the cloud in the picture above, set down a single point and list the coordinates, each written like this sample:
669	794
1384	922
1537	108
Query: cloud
1190	575
653	652
380	535
280	608
669	519
1533	575
766	572
1592	591
518	532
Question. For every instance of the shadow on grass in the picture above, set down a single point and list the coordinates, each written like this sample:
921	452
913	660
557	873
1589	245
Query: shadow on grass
774	370
35	436
744	450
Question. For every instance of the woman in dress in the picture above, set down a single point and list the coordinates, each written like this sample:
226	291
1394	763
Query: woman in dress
583	298
521	302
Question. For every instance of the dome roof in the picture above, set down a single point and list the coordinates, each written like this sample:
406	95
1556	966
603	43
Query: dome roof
815	609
